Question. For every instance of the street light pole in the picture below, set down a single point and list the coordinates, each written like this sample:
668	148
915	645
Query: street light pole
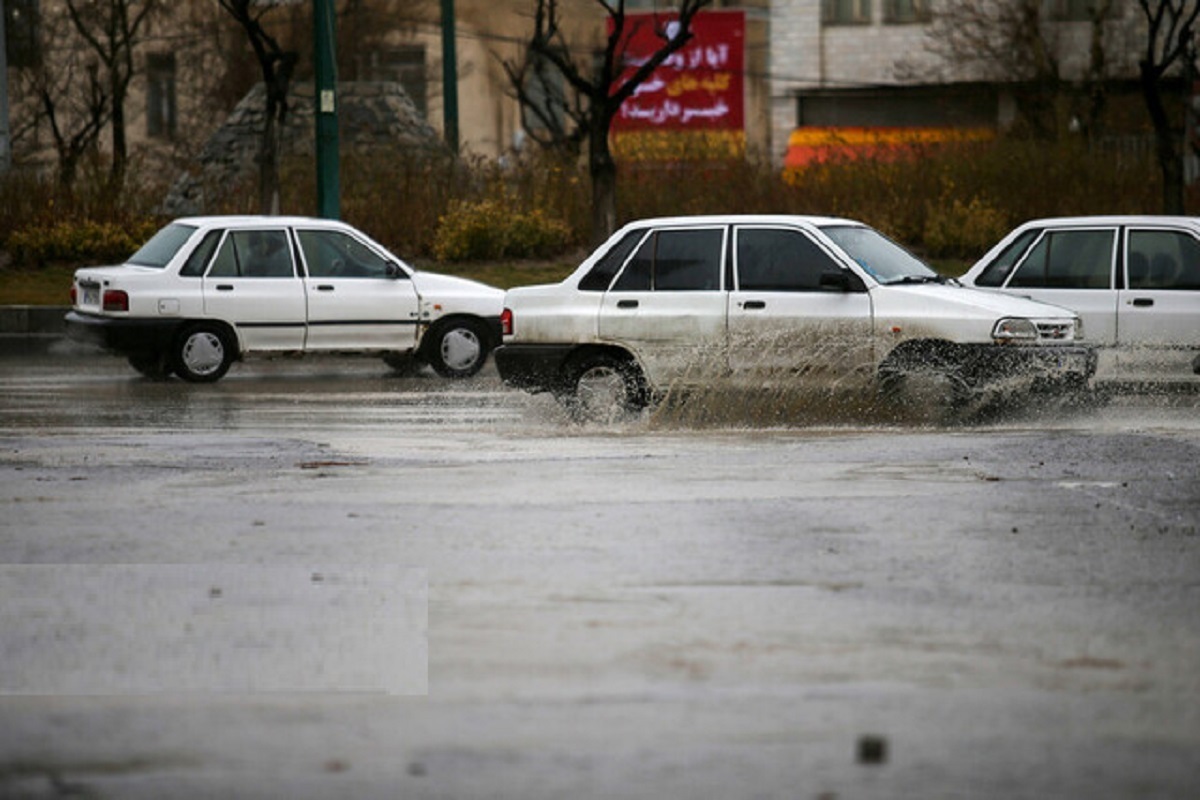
5	141
449	77
325	89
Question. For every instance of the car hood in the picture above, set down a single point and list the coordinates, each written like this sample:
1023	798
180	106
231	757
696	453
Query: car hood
951	298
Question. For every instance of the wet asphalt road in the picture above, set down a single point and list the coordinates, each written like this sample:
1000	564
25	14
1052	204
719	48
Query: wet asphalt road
314	579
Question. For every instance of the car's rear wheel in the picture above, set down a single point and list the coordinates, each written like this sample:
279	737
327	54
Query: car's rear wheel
154	366
202	354
604	387
459	347
402	363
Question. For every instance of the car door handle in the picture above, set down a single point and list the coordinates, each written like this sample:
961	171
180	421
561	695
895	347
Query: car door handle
754	305
627	304
324	287
1143	302
224	287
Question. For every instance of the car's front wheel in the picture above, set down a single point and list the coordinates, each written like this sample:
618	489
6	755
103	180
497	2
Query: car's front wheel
458	348
604	387
202	354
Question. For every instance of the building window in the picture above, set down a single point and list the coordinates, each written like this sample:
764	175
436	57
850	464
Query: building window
22	19
545	89
404	65
160	95
845	12
900	12
1073	10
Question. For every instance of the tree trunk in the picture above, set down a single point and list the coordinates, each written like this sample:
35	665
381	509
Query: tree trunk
120	152
1169	161
268	160
603	170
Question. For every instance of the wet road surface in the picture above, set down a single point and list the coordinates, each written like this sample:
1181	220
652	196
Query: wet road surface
683	605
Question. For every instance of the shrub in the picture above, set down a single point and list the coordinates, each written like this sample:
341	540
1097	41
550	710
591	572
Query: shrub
954	229
490	229
79	241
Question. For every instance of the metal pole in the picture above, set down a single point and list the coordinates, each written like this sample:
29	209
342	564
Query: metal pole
449	77
5	143
325	89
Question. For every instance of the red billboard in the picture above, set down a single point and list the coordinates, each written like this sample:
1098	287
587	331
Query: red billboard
698	88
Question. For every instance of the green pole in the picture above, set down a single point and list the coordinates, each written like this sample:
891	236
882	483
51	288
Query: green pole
449	77
325	89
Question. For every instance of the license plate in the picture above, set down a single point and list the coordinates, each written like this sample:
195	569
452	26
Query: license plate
91	297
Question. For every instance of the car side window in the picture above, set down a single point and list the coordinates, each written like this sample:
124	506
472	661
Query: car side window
601	275
1162	259
779	260
675	260
1069	260
198	260
253	254
996	273
334	254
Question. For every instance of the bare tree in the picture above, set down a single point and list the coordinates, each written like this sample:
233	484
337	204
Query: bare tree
111	29
60	90
1003	41
278	66
1170	45
596	89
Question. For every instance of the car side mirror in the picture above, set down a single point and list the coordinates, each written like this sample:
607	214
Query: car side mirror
837	280
394	272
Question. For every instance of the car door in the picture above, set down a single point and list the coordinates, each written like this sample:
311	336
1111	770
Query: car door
252	284
667	305
782	320
358	299
1158	311
1074	268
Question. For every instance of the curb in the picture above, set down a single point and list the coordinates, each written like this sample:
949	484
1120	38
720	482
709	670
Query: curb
34	330
33	320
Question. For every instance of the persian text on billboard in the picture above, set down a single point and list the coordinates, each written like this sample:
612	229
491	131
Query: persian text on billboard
698	87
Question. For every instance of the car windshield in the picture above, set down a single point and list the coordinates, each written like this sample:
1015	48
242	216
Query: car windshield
883	259
162	246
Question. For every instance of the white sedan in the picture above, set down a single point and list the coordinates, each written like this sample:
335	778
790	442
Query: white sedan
1135	282
206	291
686	300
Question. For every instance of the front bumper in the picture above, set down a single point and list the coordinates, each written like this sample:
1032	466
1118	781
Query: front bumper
986	363
533	367
127	336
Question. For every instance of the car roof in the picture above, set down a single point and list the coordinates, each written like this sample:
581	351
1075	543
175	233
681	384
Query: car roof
256	220
743	219
1113	219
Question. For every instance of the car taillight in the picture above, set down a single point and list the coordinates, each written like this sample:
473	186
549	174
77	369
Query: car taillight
74	294
506	322
115	300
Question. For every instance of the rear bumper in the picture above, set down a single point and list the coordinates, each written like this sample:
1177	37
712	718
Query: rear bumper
533	367
132	336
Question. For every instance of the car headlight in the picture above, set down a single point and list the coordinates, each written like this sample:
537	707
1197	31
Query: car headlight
1015	329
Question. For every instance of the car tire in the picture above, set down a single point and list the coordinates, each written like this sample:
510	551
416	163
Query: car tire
603	387
154	366
202	354
402	363
924	376
458	347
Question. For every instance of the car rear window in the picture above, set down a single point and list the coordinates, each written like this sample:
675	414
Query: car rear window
996	273
601	275
162	246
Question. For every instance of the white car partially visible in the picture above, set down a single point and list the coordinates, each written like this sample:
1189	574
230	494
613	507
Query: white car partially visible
204	292
1134	280
684	301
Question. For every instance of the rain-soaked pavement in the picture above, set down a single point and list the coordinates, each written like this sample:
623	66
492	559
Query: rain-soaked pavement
313	580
